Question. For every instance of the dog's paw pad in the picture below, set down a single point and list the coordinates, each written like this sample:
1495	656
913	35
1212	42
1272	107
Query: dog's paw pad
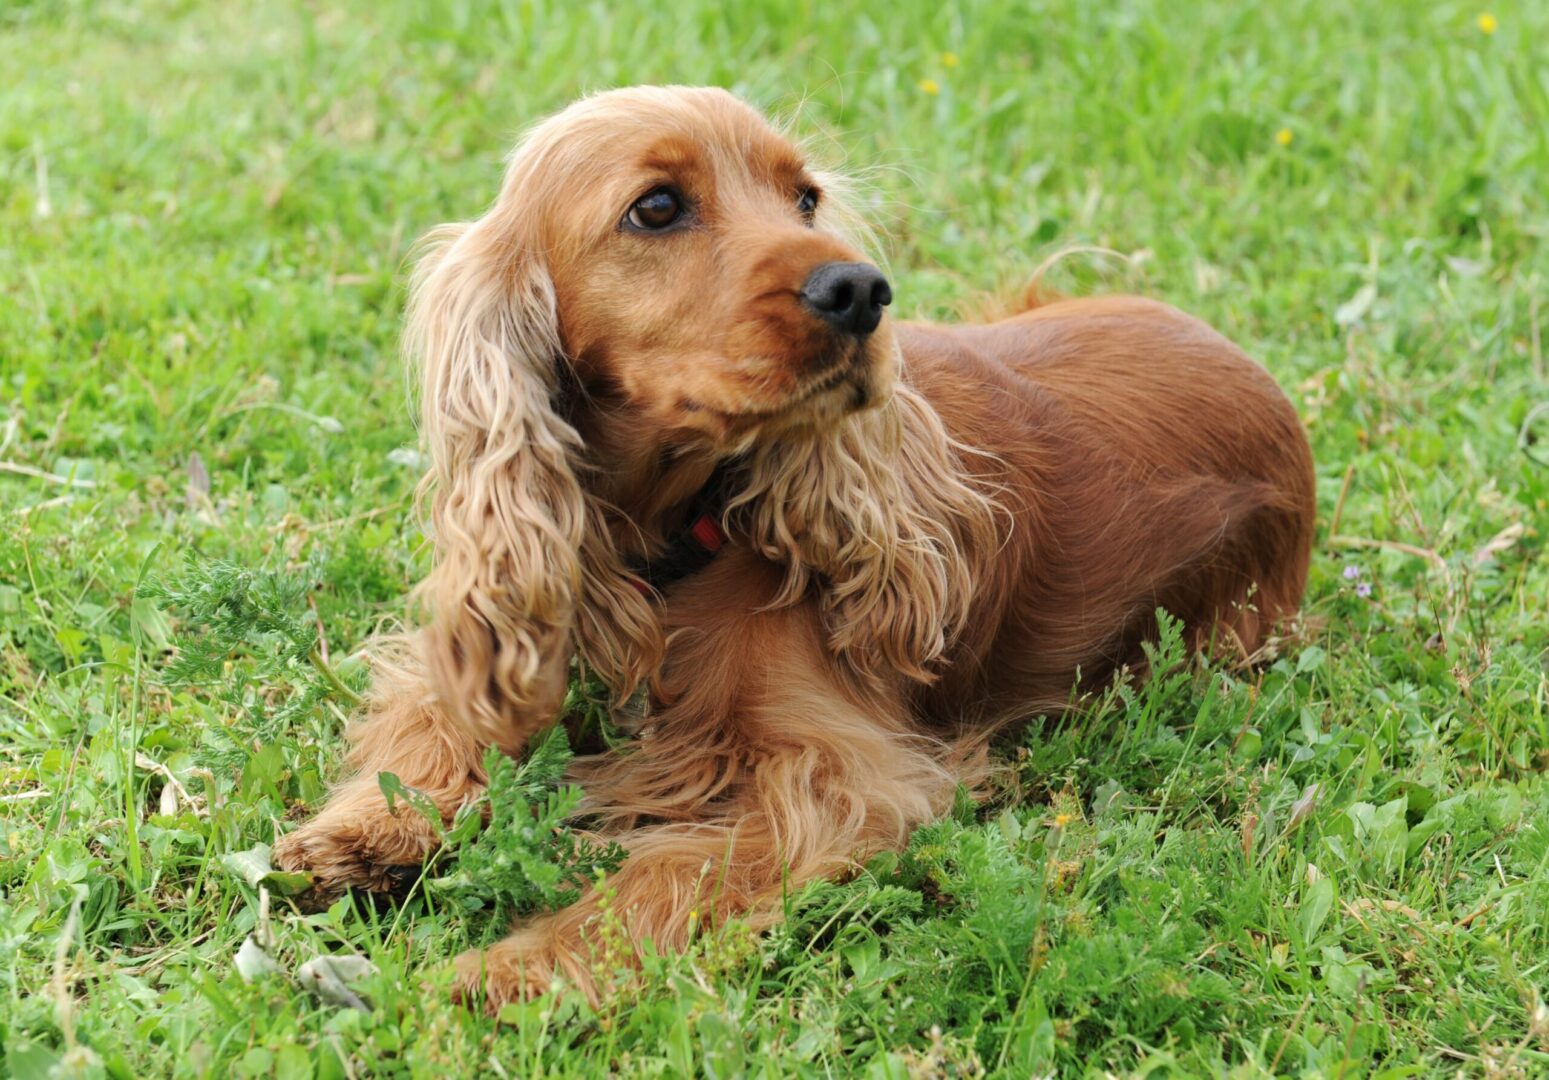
403	878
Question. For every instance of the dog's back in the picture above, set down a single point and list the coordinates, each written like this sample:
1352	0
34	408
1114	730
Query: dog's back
1146	462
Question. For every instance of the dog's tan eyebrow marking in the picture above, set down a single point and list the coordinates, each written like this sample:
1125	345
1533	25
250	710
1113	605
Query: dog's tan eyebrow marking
789	166
673	154
781	165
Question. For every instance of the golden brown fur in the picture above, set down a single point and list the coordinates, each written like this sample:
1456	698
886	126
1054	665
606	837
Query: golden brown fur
933	529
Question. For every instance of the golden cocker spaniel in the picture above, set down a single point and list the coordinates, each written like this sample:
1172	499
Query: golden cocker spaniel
675	433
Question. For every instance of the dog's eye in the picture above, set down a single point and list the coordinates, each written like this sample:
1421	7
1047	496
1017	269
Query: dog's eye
807	202
655	210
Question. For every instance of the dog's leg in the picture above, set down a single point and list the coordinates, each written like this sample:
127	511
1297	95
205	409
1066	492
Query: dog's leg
356	841
768	768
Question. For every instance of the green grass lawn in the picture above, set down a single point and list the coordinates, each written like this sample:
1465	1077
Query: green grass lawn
1335	866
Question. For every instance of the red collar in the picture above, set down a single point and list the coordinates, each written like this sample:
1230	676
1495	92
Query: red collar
692	548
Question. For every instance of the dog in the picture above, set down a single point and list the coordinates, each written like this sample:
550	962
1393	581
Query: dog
676	435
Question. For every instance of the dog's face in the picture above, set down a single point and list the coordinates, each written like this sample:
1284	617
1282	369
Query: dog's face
697	275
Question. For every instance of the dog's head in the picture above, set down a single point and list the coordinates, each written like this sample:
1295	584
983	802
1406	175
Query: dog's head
698	275
665	276
690	267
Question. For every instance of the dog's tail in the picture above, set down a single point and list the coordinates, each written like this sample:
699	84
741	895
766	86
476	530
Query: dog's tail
1005	302
1036	292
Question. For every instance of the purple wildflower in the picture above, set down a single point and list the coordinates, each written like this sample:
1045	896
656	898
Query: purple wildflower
1364	589
1352	572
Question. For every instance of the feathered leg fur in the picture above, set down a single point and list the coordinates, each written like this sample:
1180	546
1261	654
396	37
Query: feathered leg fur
765	769
356	841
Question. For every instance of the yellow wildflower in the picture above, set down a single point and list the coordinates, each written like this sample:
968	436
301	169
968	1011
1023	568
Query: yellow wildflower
1487	23
1061	820
1283	137
949	59
930	86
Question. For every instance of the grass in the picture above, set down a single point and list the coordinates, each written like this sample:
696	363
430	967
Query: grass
1338	866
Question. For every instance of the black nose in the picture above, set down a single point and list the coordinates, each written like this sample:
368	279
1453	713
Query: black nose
848	296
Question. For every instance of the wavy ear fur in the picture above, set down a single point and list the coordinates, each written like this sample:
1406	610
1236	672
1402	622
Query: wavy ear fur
880	516
524	567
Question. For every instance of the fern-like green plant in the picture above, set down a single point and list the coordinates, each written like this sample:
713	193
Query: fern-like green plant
528	857
246	636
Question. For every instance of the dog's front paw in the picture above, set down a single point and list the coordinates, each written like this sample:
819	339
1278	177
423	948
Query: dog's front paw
356	842
528	963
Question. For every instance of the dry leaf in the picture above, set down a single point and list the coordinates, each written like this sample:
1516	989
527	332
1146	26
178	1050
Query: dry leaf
329	977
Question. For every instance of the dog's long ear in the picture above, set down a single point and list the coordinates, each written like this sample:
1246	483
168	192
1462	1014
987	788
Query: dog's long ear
881	514
882	517
524	567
